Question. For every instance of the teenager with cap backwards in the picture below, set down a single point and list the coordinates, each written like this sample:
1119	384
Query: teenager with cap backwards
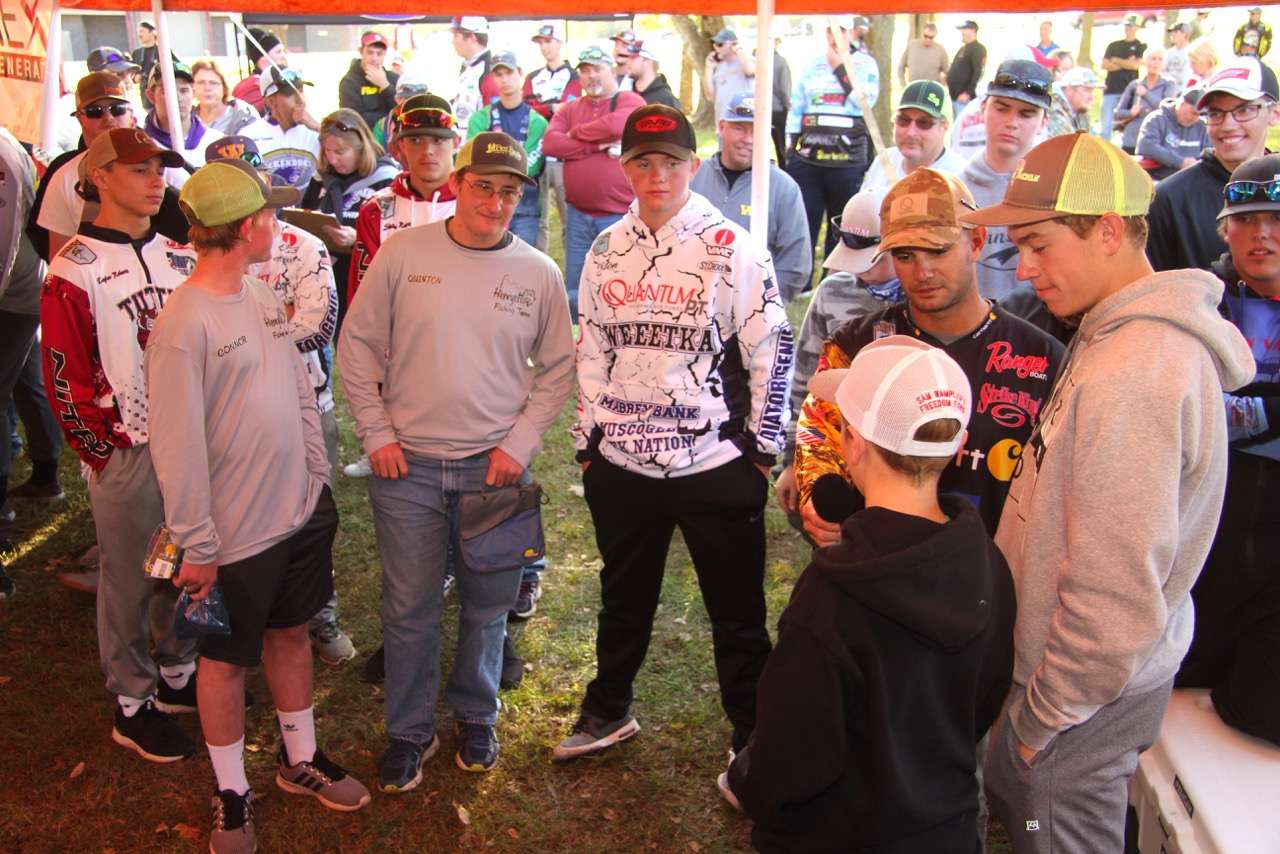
288	137
1239	106
463	292
247	497
684	366
1010	364
1103	561
368	87
100	301
872	700
196	135
919	137
1237	597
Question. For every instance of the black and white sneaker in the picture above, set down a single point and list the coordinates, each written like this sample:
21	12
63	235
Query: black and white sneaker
527	599
152	734
593	735
232	823
176	701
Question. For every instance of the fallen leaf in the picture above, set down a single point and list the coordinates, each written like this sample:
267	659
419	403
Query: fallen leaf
5	680
186	831
681	621
513	833
576	489
610	814
464	815
162	827
76	771
693	846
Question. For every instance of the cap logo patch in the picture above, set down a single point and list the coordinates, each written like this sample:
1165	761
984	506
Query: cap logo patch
933	98
1029	177
656	124
909	205
1228	74
141	138
497	148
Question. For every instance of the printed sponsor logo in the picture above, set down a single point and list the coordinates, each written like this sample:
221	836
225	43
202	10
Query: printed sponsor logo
510	300
146	322
655	124
618	292
658	411
81	437
288	238
228	348
1008	407
777	393
184	264
714	267
173	244
601	245
422	279
883	329
719	251
672	337
1001	458
724	237
79	253
1001	358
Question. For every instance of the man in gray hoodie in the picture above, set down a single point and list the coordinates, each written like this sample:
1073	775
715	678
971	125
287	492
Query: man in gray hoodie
1174	135
1133	432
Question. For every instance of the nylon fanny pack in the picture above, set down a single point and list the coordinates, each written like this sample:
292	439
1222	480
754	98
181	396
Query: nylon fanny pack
501	529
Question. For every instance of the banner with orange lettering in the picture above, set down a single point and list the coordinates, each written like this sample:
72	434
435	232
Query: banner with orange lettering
24	40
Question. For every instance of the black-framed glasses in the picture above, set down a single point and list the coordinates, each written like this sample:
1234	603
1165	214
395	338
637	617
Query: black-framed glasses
1243	113
1238	192
97	111
486	191
922	122
854	241
1019	84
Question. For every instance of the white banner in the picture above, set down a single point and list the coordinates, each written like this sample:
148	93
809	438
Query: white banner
24	41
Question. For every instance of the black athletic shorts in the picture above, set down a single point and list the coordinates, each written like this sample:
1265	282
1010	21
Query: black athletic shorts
279	588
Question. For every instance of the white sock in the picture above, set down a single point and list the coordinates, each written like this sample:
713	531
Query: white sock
228	766
177	675
130	706
299	731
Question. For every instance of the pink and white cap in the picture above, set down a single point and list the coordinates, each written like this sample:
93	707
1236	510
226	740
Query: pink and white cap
893	387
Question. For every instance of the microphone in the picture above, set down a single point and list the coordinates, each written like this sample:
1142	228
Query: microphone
834	499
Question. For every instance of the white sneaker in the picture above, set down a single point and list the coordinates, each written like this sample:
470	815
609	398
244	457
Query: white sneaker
360	468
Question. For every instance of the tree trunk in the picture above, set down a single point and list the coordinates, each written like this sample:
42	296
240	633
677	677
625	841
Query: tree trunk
696	32
1084	57
686	81
880	43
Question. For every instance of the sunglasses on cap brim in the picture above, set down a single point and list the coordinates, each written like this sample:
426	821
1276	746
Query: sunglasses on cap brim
1239	192
426	118
854	241
1031	87
331	123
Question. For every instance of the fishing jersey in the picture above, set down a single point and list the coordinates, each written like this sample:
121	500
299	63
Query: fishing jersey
97	309
686	354
390	210
290	156
476	89
300	272
1011	366
545	88
825	117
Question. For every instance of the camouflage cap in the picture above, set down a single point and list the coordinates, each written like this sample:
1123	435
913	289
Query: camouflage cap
922	211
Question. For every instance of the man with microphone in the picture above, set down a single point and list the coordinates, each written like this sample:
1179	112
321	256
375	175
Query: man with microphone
1010	364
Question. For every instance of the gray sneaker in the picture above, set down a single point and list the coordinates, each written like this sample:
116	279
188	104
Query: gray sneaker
81	582
593	735
232	823
332	644
324	780
38	491
360	468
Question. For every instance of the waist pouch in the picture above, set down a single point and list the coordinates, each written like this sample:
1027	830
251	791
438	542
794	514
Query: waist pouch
833	140
502	528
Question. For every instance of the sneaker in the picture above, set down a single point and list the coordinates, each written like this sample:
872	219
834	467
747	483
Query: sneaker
375	668
527	599
593	735
477	747
152	734
232	823
38	491
722	783
512	665
360	468
450	582
6	584
81	582
400	768
324	780
174	701
332	644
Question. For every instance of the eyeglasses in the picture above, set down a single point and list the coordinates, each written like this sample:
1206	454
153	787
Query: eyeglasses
420	118
1238	192
854	241
97	111
922	122
1242	113
336	124
487	191
1031	87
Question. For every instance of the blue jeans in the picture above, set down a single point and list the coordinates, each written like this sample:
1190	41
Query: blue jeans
1108	110
580	231
415	518
524	222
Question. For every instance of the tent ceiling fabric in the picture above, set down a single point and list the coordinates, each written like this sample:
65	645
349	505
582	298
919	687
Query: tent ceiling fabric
575	8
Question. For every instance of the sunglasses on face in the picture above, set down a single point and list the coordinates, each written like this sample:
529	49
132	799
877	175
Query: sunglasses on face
97	111
854	241
1031	87
1246	191
922	122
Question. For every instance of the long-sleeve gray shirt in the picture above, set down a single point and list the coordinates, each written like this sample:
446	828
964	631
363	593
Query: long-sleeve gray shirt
235	433
998	263
453	351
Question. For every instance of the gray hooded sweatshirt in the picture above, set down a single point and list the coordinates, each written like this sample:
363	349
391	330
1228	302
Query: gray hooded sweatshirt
1110	517
998	263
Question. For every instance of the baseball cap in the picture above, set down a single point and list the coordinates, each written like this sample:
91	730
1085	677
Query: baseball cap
1132	20
626	36
724	36
1179	27
109	59
928	96
892	388
593	55
372	37
1256	10
861	21
549	30
844	22
423	115
1080	76
99	86
273	79
1073	174
230	189
470	24
968	25
922	211
126	145
1192	95
180	69
643	52
1023	80
1245	77
411	83
233	148
657	127
741	108
1253	186
859	233
506	59
494	153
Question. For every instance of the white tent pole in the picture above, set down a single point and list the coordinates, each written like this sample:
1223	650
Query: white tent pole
52	93
165	58
761	138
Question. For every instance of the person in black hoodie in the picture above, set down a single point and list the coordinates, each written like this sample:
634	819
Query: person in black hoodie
647	81
896	650
367	87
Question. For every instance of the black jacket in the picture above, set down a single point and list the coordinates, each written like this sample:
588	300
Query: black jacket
357	93
659	92
893	658
1025	304
1183	218
966	70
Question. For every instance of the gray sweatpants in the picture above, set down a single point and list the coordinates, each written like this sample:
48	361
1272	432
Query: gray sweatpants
1073	798
133	610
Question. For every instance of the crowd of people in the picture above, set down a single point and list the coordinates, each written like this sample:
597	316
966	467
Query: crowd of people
1021	338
